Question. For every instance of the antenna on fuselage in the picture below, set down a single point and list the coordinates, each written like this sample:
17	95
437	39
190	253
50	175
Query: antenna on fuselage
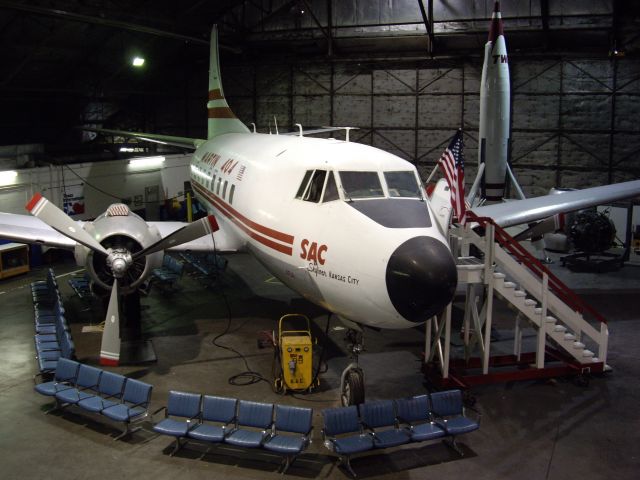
275	121
299	125
254	127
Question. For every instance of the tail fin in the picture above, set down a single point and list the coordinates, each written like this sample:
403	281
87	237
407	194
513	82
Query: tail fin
221	118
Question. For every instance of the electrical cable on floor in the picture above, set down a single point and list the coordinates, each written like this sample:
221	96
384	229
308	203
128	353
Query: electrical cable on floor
249	376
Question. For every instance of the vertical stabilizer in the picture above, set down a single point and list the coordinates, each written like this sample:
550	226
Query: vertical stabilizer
221	118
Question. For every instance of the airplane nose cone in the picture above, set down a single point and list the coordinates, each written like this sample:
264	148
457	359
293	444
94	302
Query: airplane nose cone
421	278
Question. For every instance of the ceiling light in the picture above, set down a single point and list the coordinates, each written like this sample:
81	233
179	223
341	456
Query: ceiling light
8	177
137	61
146	162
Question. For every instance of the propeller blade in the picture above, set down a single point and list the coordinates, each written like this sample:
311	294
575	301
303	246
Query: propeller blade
46	211
110	348
197	229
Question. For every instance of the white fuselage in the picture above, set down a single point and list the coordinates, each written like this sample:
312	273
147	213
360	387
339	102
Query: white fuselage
328	251
493	146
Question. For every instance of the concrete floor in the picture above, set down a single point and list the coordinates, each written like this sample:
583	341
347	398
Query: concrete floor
553	429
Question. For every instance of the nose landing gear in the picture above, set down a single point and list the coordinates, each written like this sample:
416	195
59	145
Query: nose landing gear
352	380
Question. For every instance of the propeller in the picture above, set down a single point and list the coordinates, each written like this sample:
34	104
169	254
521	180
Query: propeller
118	260
197	229
110	348
46	211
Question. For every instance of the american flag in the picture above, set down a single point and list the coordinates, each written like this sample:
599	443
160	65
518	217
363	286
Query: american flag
452	165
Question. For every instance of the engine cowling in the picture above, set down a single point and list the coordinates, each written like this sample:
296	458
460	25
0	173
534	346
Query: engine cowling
122	233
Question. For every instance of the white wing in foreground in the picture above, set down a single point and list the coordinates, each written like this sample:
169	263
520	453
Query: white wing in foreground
531	209
29	229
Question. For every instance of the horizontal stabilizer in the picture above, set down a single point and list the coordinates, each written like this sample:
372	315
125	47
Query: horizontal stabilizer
184	142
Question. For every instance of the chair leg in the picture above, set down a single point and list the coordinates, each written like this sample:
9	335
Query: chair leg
346	461
288	461
176	447
124	433
453	444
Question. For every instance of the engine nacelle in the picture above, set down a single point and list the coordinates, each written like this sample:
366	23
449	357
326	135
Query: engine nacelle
122	233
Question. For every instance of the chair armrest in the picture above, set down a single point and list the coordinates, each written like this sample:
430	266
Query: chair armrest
41	374
402	421
159	410
478	413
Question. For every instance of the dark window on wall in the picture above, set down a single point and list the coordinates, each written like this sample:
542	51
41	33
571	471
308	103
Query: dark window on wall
218	187
231	192
224	189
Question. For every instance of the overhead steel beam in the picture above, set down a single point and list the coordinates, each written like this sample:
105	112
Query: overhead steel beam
428	22
105	22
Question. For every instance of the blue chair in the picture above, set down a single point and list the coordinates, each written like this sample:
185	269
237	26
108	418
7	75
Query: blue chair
134	406
221	410
344	421
448	410
85	387
183	405
255	415
291	433
64	378
416	414
109	393
380	418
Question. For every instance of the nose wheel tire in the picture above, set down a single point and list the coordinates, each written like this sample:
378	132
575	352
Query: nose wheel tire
352	388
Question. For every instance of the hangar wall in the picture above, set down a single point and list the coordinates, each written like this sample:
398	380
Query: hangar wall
573	120
100	184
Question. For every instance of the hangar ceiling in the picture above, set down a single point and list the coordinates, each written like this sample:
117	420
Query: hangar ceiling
66	63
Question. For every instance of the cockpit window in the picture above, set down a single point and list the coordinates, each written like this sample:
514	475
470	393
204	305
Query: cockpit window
303	185
402	184
331	190
312	184
361	185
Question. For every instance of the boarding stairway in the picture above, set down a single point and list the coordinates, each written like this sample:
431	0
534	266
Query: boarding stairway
571	337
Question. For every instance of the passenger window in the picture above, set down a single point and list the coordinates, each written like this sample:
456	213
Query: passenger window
224	189
218	187
331	190
213	183
314	191
303	185
231	192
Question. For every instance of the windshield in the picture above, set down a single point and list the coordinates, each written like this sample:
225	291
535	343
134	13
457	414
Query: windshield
402	184
361	185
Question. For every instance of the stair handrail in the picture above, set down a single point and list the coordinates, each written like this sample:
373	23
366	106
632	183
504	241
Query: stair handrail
514	247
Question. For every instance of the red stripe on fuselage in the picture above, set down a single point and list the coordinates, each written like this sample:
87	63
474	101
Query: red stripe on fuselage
243	223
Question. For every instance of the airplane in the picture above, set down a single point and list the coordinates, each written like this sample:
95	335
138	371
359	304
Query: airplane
347	226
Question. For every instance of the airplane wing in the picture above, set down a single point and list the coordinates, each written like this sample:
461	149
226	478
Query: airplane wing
185	142
29	229
517	212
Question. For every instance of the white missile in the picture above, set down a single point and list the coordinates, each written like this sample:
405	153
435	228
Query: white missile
493	136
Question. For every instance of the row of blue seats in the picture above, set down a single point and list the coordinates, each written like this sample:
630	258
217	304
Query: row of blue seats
206	266
281	429
114	396
389	423
169	273
53	337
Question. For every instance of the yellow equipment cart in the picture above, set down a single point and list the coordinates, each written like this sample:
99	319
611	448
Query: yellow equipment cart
293	359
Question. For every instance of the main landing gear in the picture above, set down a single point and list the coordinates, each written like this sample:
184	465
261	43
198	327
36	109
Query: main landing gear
352	380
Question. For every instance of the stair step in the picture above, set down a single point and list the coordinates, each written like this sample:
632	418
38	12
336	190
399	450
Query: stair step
509	285
529	302
569	336
559	328
588	354
551	319
578	345
498	275
595	359
519	293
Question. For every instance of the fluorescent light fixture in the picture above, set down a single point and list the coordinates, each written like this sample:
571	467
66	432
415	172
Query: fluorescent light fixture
137	61
146	162
8	177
